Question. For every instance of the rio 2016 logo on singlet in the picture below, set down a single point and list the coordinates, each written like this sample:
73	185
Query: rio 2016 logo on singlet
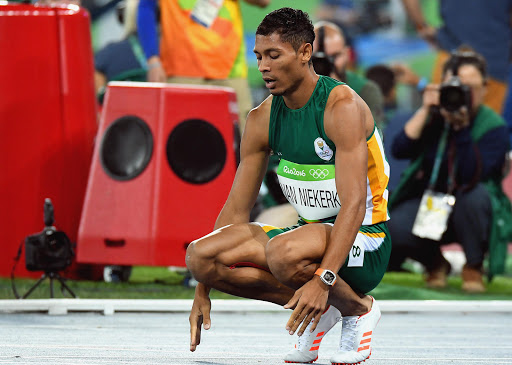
322	149
311	189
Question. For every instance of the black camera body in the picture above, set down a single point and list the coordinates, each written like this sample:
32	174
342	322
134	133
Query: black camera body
48	250
454	95
322	63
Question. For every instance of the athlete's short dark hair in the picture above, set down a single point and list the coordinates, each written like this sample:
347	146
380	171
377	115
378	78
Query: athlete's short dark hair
292	25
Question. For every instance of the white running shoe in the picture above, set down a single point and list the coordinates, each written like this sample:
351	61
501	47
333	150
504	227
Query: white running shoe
356	337
306	350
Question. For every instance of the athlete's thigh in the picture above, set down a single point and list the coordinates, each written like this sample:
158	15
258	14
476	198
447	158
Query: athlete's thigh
308	242
234	244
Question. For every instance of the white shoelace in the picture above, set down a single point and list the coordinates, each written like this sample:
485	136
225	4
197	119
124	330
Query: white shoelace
349	333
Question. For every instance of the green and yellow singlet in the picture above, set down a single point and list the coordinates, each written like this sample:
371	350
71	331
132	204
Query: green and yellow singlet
307	155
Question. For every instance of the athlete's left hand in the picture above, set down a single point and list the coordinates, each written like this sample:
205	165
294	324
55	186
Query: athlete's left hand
309	302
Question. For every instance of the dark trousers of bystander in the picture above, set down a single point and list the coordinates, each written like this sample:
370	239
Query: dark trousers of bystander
469	225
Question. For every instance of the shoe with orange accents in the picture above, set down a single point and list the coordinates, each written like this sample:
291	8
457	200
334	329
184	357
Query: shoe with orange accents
306	350
356	337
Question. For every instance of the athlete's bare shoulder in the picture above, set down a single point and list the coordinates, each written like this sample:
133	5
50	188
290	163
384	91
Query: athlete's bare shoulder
257	125
345	105
261	113
341	94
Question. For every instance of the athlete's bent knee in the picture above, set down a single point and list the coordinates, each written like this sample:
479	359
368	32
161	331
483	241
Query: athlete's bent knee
199	259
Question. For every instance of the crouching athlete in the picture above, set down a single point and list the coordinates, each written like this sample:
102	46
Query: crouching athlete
333	171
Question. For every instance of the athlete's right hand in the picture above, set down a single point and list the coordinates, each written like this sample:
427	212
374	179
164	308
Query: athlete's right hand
199	315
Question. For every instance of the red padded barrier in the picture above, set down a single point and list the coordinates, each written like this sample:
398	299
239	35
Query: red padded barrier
149	219
47	120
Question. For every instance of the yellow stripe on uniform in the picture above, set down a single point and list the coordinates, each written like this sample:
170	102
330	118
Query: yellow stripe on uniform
378	180
269	228
374	234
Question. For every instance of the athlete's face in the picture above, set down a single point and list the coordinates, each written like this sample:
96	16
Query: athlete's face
281	67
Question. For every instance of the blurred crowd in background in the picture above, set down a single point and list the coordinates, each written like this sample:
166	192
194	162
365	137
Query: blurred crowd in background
393	53
376	32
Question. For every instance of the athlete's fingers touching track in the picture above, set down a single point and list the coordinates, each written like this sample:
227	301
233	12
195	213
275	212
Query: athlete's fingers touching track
199	315
196	320
195	331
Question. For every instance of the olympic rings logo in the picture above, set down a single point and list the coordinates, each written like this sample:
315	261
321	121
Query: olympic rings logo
356	251
318	173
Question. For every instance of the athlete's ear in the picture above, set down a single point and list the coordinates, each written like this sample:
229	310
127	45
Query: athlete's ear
306	52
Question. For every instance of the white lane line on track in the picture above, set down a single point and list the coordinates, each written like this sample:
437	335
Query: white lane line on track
109	306
145	349
163	350
267	356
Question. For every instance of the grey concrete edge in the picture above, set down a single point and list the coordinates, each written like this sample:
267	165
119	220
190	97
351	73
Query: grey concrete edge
110	306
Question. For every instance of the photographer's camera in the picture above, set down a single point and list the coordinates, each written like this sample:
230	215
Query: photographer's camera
322	63
454	95
49	250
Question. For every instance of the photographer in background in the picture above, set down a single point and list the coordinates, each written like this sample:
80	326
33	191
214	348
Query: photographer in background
331	58
482	24
457	148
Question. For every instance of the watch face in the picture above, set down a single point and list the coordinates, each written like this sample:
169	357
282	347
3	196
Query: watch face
329	276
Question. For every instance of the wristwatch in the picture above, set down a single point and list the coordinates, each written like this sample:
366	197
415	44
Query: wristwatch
327	276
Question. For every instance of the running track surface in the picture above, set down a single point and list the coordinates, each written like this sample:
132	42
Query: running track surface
249	338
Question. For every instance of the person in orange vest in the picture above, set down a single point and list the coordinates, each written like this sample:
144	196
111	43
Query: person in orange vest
201	43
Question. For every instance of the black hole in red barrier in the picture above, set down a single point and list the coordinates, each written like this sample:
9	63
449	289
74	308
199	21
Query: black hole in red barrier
114	242
126	148
196	151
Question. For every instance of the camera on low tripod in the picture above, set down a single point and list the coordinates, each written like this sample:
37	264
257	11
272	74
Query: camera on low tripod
50	251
